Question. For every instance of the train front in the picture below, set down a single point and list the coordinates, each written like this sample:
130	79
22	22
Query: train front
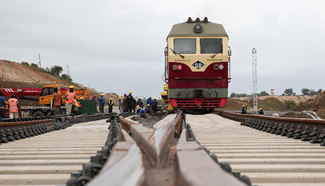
197	68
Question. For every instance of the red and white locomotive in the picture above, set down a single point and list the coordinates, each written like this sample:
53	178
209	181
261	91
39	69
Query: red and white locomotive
197	62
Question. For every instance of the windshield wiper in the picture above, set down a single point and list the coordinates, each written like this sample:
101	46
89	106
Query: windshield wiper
177	53
216	53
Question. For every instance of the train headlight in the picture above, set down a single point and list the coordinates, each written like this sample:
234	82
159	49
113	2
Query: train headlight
177	67
218	67
197	28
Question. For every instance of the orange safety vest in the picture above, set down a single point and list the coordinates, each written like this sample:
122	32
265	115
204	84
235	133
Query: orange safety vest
70	97
13	107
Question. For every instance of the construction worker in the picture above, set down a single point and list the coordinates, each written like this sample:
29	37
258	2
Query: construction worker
243	111
134	104
110	105
56	101
124	105
101	103
149	101
148	109
141	111
129	102
2	106
70	96
260	111
120	106
139	102
154	105
13	107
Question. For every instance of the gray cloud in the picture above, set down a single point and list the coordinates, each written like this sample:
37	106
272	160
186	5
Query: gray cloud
117	46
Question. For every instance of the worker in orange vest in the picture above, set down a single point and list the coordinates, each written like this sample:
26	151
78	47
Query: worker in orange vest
70	96
13	107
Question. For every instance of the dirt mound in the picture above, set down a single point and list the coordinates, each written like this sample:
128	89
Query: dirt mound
271	104
318	102
16	75
235	104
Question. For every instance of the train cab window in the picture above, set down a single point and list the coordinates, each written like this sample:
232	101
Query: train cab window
211	46
45	91
185	46
51	91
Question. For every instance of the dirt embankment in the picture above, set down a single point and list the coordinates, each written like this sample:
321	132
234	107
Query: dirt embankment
318	102
16	75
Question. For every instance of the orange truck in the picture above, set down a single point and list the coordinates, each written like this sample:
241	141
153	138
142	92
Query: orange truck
45	96
48	91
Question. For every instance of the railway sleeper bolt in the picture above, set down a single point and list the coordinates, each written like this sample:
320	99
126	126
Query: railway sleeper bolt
297	134
315	138
255	124
3	137
266	126
30	131
214	158
21	133
10	137
279	130
35	131
262	126
205	149
26	132
291	132
275	127
15	134
246	180
305	135
40	129
73	181
87	174
269	128
251	123
106	152
226	166
284	130
243	122
236	174
98	162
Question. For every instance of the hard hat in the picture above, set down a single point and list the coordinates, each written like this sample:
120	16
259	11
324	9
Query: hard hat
71	86
243	105
138	106
102	94
95	96
130	92
81	97
154	98
139	97
110	98
260	108
148	105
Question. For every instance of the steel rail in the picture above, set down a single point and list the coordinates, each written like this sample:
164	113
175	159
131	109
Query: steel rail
165	160
9	124
311	123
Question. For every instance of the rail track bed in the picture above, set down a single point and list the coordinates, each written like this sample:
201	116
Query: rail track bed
268	159
49	159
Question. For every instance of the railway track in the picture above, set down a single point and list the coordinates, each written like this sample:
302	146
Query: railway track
166	155
48	159
268	159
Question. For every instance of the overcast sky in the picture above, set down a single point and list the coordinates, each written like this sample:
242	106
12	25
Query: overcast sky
117	46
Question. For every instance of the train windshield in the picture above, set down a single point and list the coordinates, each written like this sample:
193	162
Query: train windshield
185	46
211	46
